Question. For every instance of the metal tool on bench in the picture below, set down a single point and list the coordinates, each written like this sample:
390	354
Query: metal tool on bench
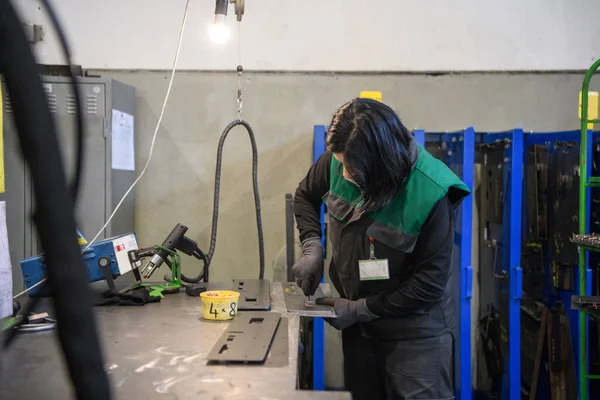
173	260
297	302
167	254
104	260
167	249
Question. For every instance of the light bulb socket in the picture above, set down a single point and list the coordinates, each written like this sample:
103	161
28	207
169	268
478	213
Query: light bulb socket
221	7
219	19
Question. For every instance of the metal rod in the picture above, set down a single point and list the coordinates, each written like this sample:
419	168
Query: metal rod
289	235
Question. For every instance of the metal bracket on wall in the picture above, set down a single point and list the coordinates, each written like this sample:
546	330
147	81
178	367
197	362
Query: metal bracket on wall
34	33
295	301
247	339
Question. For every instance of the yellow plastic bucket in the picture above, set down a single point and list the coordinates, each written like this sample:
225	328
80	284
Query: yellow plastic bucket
219	305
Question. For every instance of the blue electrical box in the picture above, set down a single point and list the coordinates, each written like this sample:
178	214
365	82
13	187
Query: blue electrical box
111	253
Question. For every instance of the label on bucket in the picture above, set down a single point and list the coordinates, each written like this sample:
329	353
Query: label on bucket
219	305
222	311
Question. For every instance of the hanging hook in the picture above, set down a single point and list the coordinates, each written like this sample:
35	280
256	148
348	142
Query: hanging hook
240	70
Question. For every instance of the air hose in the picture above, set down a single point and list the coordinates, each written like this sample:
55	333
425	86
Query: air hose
54	215
213	236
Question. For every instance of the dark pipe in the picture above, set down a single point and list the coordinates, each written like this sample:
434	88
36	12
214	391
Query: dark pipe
54	215
213	236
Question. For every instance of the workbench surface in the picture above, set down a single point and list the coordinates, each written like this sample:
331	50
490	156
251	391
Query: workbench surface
157	351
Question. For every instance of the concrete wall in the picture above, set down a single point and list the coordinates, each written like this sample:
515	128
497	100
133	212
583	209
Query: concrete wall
324	35
282	108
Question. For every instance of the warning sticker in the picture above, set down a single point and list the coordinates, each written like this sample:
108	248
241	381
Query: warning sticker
122	245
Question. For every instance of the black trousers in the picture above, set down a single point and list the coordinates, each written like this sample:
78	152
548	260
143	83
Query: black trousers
395	370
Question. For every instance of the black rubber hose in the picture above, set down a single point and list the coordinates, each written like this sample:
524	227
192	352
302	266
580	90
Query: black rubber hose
213	236
54	215
203	275
185	278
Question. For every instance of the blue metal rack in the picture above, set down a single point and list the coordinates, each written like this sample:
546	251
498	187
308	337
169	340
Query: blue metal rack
511	254
318	323
564	296
459	155
550	139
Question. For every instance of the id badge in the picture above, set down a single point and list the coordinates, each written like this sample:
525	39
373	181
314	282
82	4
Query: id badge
373	269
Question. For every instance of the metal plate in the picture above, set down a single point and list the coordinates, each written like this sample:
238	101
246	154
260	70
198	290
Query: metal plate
294	302
255	294
247	339
563	200
279	355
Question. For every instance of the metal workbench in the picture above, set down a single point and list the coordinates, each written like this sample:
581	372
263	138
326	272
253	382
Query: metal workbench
157	351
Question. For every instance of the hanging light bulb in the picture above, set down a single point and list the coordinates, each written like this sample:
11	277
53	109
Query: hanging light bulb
218	31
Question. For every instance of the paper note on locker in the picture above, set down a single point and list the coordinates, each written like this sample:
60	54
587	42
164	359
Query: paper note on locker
5	267
123	152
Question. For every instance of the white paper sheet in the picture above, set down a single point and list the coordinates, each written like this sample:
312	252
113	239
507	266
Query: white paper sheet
123	152
5	267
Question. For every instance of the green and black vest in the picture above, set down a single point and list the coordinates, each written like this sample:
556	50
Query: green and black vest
396	226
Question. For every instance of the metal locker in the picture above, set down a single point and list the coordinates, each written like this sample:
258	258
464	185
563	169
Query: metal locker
102	186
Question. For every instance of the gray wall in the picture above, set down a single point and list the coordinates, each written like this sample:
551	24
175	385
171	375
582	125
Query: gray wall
282	108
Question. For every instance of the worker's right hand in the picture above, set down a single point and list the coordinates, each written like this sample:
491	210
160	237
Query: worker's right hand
309	269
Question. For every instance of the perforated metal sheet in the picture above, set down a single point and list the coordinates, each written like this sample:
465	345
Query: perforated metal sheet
255	294
247	339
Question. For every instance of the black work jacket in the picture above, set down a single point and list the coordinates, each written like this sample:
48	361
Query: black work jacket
417	300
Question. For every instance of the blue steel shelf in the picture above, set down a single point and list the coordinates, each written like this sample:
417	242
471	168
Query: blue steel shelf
550	139
460	157
515	272
318	323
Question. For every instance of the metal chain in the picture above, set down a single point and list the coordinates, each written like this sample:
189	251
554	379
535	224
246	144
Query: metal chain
240	70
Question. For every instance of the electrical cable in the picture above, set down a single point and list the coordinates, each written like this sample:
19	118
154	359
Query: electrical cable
215	220
54	216
80	128
162	112
203	275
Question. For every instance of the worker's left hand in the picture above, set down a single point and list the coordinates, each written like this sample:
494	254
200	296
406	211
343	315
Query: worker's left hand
348	312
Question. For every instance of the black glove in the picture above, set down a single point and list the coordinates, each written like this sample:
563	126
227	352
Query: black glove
309	269
134	297
348	312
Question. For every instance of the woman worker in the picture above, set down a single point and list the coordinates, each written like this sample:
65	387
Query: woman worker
391	209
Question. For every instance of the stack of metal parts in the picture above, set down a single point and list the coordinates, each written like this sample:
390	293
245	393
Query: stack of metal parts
493	318
563	218
535	236
591	240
